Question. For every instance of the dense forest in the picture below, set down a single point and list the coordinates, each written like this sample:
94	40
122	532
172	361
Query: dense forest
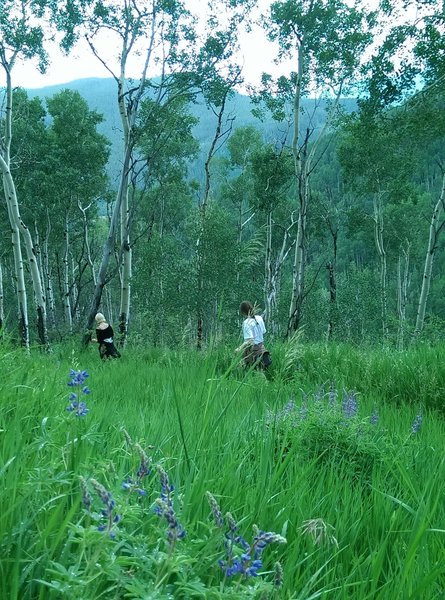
165	201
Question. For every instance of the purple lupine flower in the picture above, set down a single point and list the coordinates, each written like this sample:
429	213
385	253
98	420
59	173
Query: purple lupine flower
417	423
216	511
302	413
108	514
132	486
332	394
166	487
77	377
264	538
164	508
249	562
87	500
319	393
144	467
290	406
175	530
373	419
349	405
80	409
76	406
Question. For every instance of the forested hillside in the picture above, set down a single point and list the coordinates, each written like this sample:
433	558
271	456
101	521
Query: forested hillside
164	202
99	95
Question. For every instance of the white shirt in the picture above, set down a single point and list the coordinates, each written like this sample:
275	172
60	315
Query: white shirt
253	327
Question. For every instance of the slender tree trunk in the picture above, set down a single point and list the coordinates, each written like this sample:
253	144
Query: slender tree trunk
332	298
66	278
200	258
296	302
303	161
86	240
128	113
273	268
402	293
47	276
108	249
32	263
269	296
126	268
19	280
380	246
17	224
332	275
435	228
298	270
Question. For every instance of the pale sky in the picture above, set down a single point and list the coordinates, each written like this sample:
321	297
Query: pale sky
256	55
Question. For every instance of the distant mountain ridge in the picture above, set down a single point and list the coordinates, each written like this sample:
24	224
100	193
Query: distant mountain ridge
100	95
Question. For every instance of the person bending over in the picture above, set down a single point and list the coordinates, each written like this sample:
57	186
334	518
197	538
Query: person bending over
104	337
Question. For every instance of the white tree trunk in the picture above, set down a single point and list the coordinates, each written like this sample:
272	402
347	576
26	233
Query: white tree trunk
19	280
402	293
17	224
39	295
86	239
126	268
301	182
303	161
273	269
380	246
128	115
47	276
66	278
435	227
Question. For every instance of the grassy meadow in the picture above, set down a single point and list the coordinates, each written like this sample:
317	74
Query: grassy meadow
176	475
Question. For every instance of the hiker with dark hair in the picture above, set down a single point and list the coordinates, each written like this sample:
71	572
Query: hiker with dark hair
254	352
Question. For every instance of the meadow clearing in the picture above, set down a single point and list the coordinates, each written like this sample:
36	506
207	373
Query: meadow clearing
173	474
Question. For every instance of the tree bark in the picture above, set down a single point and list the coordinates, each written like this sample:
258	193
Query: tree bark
380	246
202	224
17	224
435	228
66	278
402	293
47	275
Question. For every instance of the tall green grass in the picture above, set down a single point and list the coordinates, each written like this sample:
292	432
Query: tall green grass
373	494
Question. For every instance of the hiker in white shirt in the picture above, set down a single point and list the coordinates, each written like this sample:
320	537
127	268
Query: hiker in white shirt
253	334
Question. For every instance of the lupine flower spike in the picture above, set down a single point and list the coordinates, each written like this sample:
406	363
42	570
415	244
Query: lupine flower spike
332	394
417	423
87	501
164	508
249	562
77	406
349	405
143	470
216	511
108	514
